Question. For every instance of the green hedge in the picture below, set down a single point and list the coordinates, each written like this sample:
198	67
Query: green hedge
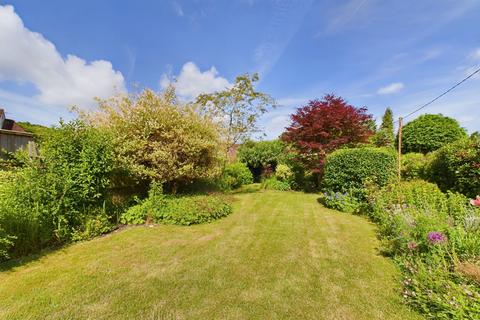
456	167
350	169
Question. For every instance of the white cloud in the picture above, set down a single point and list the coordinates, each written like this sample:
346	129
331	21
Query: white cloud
191	81
391	88
27	57
475	55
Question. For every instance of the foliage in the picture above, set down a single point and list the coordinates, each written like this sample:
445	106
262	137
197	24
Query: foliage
238	107
413	166
180	210
235	175
272	183
325	125
431	234
48	199
157	138
93	226
259	155
6	242
344	202
40	132
348	170
385	137
429	132
283	173
456	166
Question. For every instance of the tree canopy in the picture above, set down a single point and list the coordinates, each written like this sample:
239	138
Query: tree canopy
325	125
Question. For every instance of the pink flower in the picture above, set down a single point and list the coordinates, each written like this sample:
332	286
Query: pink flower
475	202
436	237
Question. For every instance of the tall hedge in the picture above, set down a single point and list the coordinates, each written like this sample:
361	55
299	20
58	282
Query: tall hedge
349	169
430	132
456	167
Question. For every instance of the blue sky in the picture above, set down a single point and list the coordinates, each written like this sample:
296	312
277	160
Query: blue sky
374	53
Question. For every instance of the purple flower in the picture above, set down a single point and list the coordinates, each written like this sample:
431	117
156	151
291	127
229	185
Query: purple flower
436	237
412	245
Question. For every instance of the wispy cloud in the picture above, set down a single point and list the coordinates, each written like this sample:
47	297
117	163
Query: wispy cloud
286	19
391	88
177	8
346	14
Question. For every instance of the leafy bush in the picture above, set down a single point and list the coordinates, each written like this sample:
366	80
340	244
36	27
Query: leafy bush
344	202
430	132
348	170
272	183
431	234
456	167
47	200
413	166
158	138
235	175
283	173
259	155
180	210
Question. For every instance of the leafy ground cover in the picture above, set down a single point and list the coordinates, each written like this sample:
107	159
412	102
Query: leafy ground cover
280	255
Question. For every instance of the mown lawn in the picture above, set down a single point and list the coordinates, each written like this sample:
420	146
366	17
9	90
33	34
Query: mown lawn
280	255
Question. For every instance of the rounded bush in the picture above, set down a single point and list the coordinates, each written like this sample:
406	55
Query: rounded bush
235	175
430	132
283	172
349	169
456	167
413	166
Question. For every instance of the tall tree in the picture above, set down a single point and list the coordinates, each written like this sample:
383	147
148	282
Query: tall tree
385	137
325	125
237	108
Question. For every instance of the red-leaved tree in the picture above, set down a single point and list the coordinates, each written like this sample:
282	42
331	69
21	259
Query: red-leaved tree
325	125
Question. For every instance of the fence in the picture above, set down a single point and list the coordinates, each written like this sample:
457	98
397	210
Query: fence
11	141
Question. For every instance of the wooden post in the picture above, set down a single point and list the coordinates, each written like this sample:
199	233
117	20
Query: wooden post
400	125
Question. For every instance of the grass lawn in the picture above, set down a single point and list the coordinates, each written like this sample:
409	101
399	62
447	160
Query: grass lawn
280	255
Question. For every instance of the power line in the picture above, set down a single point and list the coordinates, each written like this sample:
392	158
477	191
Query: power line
444	93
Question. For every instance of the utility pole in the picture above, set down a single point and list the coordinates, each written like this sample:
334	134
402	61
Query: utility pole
400	127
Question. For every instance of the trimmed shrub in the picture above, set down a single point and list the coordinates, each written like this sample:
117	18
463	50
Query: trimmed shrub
234	176
413	166
260	155
430	132
348	170
456	167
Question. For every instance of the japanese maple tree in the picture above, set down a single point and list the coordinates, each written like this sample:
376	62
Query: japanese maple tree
324	125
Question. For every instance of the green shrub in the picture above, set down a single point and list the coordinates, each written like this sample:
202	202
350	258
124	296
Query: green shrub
430	132
235	175
48	199
188	210
344	202
93	226
179	210
272	183
283	173
260	155
348	170
413	166
456	167
6	242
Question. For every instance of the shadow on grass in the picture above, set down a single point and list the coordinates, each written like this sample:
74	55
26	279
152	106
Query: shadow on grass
23	260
